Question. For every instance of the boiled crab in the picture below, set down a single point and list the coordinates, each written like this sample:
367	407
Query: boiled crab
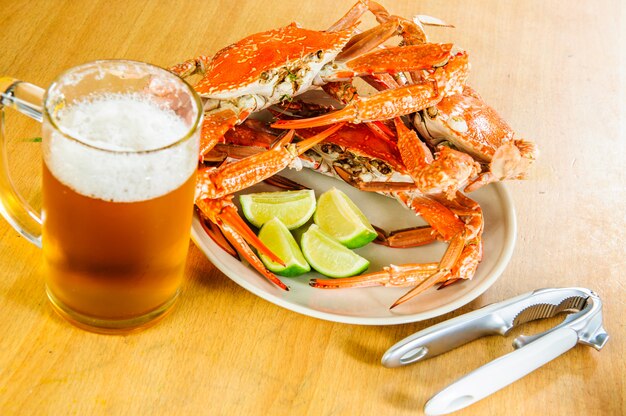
274	66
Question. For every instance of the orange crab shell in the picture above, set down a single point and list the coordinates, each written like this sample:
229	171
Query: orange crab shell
251	58
476	127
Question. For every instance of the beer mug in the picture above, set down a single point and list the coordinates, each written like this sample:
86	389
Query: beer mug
120	144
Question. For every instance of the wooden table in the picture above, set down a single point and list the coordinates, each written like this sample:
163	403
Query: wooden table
553	69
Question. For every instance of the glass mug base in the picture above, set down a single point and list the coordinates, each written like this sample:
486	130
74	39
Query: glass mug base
111	326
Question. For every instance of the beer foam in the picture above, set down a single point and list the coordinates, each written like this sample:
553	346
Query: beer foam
121	151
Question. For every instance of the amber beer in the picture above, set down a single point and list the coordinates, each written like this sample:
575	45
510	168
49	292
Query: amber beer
118	189
114	260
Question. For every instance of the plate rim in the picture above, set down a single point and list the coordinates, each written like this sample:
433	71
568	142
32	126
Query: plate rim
510	222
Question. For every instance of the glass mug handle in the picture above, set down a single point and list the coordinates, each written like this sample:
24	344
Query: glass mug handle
27	99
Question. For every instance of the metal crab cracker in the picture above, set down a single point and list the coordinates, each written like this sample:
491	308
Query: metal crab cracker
583	325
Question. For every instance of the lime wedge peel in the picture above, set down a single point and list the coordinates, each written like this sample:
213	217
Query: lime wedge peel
342	219
292	208
275	235
328	256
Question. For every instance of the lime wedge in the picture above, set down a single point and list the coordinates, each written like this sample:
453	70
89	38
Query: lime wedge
277	238
338	216
328	256
292	208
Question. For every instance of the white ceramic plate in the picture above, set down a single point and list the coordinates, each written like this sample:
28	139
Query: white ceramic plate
370	306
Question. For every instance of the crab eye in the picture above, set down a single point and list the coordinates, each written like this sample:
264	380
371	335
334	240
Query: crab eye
264	76
319	54
432	112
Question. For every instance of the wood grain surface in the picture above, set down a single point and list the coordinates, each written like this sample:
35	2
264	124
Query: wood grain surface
553	69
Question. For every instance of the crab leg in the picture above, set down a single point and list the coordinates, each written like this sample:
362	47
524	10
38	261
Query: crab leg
464	252
351	18
223	213
382	106
216	235
375	68
449	259
395	59
390	276
284	183
463	267
406	237
217	182
469	210
412	32
410	274
388	104
466	266
440	217
458	262
368	40
245	251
